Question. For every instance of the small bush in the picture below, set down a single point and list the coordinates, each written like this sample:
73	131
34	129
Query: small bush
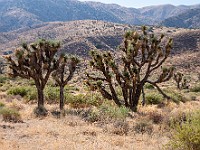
3	79
149	86
82	101
110	111
176	96
2	104
31	95
10	115
120	128
143	127
19	90
187	134
52	94
153	98
196	88
156	117
91	115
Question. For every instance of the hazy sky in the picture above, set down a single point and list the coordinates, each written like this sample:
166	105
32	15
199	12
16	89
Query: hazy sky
142	3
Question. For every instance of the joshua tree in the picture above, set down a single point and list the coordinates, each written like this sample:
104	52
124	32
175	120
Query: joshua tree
178	78
64	73
142	56
36	61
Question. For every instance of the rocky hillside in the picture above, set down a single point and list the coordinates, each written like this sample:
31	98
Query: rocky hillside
78	37
188	19
15	14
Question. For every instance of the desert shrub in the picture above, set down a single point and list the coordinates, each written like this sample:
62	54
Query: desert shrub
142	127
176	97
10	115
149	86
187	134
110	111
2	104
91	115
18	90
51	94
156	117
31	95
81	100
196	88
40	111
153	98
104	113
120	128
3	79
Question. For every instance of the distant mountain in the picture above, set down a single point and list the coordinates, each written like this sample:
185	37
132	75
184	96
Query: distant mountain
15	14
188	19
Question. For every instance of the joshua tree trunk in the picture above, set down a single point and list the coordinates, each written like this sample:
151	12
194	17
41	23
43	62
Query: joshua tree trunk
40	96
61	97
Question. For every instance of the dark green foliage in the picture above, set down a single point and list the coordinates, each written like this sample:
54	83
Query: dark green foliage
142	55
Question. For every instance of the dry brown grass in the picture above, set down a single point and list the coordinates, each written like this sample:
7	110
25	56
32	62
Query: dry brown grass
72	133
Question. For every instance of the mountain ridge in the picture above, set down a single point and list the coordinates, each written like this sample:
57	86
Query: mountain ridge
25	13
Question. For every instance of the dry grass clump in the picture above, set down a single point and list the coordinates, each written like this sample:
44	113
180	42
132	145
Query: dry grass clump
143	126
10	115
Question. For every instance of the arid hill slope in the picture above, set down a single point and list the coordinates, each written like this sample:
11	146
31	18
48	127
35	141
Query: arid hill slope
78	37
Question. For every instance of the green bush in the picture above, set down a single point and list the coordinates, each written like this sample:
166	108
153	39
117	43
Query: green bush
149	86
31	95
110	111
10	115
153	98
52	94
3	79
187	134
175	96
81	100
18	90
196	88
2	104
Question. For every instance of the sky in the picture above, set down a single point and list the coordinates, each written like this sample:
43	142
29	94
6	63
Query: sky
143	3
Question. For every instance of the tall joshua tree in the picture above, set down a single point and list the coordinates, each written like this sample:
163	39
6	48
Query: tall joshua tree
64	73
142	56
36	61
